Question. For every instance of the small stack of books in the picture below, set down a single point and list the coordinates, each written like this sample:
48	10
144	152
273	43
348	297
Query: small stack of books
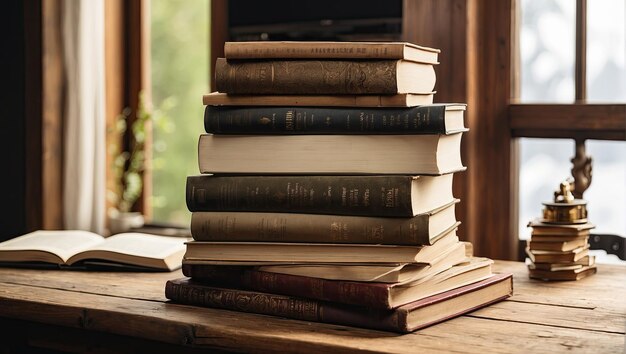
326	192
559	252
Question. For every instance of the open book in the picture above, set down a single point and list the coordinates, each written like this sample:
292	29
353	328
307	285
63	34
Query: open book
127	251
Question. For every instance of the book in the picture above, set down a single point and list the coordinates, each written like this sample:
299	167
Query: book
559	238
199	252
372	294
586	261
556	256
562	246
376	195
423	229
568	274
73	248
330	50
330	154
397	100
404	319
429	119
380	273
541	228
323	77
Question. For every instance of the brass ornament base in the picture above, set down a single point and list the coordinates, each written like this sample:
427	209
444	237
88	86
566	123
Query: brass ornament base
565	209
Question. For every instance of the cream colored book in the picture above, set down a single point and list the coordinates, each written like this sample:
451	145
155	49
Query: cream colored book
330	154
303	253
403	273
86	249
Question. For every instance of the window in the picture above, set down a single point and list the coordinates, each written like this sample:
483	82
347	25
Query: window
180	76
571	60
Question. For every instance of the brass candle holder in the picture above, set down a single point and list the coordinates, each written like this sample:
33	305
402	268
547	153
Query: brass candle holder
565	209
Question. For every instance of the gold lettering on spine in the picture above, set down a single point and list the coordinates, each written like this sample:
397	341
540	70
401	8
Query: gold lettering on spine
289	120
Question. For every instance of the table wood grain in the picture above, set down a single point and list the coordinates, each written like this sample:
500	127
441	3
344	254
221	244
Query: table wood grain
103	309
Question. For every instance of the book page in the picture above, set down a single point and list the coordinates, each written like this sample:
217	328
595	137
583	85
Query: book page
142	245
63	243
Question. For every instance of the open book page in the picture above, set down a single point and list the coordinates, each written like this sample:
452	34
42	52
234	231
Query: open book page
63	244
135	245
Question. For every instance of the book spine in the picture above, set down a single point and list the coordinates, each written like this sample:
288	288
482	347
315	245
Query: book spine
284	306
309	228
248	50
341	195
306	77
373	295
311	120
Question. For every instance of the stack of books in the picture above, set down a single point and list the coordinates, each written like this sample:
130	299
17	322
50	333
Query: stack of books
559	252
326	192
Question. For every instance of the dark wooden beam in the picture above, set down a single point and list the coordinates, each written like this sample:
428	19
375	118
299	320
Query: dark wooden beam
219	35
576	121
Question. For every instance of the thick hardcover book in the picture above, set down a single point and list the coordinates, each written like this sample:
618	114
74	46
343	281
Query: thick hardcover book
372	294
383	195
429	119
404	319
423	229
330	50
398	100
323	77
330	154
202	252
563	274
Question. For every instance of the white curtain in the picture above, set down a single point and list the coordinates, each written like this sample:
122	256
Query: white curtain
84	159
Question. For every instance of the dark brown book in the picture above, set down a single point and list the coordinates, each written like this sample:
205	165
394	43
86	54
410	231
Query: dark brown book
404	319
330	154
398	100
371	294
419	230
323	77
277	120
570	274
382	195
330	50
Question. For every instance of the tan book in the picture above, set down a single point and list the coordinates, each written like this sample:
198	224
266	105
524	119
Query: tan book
541	228
570	274
323	77
330	154
559	238
398	100
403	273
583	262
303	253
89	250
330	50
557	257
537	245
423	229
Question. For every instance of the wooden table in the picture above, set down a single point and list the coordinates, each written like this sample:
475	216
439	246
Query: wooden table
85	311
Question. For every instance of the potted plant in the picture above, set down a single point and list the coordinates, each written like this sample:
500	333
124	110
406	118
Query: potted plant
127	166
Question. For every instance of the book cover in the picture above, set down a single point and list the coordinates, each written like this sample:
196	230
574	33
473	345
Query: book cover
419	230
330	50
330	154
323	77
376	195
428	119
404	319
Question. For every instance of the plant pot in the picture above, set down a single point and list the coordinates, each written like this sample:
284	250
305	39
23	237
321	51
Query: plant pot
124	221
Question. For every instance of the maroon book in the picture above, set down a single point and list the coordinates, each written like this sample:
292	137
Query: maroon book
404	319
